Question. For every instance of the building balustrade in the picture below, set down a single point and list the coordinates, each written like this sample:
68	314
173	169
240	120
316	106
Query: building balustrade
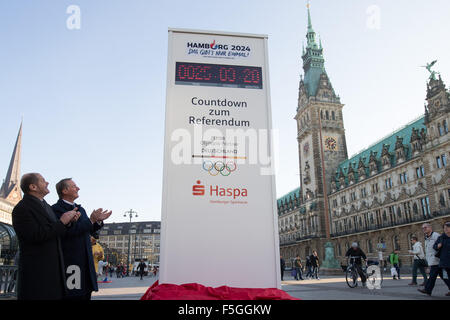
390	224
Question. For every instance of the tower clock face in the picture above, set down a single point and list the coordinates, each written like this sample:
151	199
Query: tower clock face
330	144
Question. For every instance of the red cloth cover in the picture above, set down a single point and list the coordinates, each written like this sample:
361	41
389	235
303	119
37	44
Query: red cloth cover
195	291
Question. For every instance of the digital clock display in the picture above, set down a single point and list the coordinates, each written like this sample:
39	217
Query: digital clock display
218	75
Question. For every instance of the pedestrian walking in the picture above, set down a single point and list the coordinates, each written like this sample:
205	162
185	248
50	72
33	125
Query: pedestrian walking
394	261
119	270
435	252
298	268
419	262
282	266
141	268
309	273
315	264
111	271
41	273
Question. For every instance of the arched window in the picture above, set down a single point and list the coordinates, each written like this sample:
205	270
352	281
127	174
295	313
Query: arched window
396	243
321	114
409	240
415	208
9	244
369	246
334	117
381	243
440	130
327	116
442	200
307	251
445	126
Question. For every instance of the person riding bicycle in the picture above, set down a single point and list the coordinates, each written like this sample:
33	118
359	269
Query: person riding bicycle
355	254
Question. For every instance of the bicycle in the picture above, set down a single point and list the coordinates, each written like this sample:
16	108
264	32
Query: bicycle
351	273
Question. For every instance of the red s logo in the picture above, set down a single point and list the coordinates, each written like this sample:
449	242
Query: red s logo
198	189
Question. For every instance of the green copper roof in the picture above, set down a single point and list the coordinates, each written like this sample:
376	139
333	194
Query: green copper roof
313	61
289	196
404	132
312	79
310	28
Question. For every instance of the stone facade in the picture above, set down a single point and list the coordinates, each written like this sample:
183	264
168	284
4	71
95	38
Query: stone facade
378	198
144	239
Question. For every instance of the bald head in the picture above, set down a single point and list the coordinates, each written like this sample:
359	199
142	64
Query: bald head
34	184
27	180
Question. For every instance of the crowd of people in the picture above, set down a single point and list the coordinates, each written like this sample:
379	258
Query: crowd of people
311	267
431	260
120	270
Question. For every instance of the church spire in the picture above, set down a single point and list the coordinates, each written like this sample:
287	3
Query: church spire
10	187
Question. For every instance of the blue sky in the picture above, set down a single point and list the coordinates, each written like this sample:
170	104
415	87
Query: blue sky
93	100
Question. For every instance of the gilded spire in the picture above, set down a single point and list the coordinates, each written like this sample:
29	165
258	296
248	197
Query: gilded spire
310	29
311	35
12	180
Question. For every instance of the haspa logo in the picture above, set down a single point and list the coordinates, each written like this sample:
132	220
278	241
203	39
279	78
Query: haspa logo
218	191
198	189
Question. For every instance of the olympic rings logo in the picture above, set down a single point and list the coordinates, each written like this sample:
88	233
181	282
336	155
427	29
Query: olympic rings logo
225	169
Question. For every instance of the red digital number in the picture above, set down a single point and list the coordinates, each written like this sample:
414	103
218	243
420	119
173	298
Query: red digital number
227	74
251	76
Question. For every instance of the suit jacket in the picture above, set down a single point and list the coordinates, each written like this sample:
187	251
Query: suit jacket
77	249
41	266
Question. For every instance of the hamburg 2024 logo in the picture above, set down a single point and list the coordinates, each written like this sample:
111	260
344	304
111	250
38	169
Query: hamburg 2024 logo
218	50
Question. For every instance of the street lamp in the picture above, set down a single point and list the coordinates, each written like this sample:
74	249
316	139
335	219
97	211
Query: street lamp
130	215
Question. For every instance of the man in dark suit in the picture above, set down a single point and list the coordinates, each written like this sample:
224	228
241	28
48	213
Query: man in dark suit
76	243
282	266
41	265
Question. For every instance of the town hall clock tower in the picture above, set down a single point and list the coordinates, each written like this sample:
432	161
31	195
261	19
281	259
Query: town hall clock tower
321	134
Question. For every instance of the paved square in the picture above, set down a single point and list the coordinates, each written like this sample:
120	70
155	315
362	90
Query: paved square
327	288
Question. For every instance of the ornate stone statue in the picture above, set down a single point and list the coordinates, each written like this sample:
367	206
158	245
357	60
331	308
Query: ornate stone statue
432	73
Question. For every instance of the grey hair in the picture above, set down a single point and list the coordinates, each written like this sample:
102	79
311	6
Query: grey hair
61	185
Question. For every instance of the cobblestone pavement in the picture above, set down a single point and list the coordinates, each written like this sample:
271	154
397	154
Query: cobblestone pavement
327	288
335	288
128	288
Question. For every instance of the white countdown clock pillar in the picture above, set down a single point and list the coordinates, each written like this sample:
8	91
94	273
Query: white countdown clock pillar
219	217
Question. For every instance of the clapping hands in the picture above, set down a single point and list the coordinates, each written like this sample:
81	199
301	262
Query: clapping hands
70	216
100	215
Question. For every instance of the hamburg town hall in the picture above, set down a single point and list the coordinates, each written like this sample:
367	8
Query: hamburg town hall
379	197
